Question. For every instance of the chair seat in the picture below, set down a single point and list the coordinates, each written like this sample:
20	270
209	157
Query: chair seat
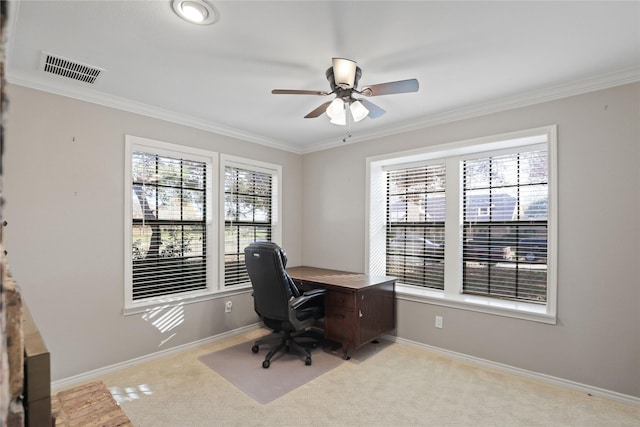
310	313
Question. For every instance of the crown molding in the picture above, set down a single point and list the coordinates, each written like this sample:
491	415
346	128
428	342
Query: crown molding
565	90
90	95
629	75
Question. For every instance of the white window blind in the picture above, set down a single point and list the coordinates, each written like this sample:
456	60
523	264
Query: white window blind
168	229
504	205
499	236
248	217
415	219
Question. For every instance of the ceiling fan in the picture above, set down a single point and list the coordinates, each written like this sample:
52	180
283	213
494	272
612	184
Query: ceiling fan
343	78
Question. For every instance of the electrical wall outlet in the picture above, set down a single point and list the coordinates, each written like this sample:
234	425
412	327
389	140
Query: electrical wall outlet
439	322
227	306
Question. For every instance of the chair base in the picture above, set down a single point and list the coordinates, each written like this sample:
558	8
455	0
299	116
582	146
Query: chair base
284	342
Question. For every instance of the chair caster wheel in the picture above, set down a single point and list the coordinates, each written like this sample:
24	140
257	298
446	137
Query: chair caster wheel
307	361
266	364
255	348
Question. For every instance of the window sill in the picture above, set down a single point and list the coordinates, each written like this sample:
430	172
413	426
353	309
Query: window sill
498	307
174	300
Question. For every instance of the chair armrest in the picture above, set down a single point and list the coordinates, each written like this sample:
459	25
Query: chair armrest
307	296
314	292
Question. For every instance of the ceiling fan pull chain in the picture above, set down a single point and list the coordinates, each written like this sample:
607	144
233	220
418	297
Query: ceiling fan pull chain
348	116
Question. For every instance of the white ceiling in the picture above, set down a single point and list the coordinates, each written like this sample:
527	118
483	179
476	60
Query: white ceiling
469	58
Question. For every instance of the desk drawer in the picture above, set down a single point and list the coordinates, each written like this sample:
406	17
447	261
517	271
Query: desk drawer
343	300
340	325
304	286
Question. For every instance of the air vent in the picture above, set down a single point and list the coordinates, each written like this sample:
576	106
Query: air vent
68	68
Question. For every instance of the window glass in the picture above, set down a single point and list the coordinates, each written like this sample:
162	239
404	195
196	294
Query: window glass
247	218
415	225
168	229
505	226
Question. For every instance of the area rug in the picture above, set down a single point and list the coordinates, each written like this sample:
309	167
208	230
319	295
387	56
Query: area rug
87	405
243	368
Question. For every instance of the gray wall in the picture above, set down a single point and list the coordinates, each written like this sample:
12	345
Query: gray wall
65	233
64	205
597	338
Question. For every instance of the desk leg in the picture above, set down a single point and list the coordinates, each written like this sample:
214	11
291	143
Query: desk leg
345	352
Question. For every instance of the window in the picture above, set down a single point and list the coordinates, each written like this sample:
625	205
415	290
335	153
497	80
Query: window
170	237
251	206
415	225
470	224
504	233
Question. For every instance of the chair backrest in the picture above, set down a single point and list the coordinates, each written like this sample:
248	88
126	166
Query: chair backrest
265	262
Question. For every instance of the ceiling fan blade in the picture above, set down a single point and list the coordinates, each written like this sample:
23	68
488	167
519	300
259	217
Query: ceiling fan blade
318	111
401	86
374	110
298	92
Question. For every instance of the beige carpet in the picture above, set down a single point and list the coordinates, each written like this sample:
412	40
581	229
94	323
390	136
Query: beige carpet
243	368
385	385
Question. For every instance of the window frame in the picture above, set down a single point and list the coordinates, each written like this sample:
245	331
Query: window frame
452	153
132	144
276	207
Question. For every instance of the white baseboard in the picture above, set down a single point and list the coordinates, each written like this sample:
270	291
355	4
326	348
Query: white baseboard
96	373
587	389
590	390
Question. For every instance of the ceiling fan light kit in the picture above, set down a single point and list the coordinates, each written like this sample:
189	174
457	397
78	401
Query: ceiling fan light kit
336	112
343	77
358	111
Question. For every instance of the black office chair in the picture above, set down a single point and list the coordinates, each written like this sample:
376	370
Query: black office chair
279	303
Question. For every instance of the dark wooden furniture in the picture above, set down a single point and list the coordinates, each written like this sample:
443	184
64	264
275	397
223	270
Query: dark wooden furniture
358	308
37	375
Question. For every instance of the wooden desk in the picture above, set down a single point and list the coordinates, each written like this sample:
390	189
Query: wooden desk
358	308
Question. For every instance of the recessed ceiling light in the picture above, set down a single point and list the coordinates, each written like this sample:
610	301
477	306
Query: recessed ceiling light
198	12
